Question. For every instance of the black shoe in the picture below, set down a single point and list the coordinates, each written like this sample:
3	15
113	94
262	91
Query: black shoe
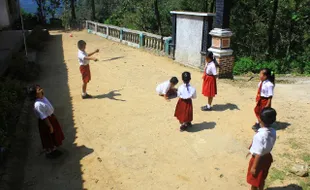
205	108
255	127
189	124
87	96
183	128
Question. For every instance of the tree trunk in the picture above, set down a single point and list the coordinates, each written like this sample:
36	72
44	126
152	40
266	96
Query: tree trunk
206	6
212	6
93	10
157	17
271	27
291	29
72	5
41	16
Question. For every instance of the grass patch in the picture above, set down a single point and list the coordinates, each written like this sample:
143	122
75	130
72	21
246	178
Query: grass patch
274	175
286	155
294	144
306	157
305	185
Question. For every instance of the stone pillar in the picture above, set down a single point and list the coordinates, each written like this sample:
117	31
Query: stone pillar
221	35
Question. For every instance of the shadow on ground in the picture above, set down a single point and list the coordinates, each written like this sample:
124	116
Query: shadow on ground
111	95
114	58
224	107
63	173
289	187
280	125
201	126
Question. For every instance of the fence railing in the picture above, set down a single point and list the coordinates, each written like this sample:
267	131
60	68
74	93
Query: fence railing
135	38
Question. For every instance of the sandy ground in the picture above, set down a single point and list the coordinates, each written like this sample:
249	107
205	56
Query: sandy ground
127	138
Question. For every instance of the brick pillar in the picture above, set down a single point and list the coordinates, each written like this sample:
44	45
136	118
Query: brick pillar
222	51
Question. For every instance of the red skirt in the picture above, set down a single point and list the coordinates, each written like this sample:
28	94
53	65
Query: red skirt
184	110
261	170
85	71
49	140
209	87
260	105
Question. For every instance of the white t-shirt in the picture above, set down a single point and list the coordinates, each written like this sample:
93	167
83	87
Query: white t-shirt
81	57
263	141
163	88
267	89
186	92
43	108
211	68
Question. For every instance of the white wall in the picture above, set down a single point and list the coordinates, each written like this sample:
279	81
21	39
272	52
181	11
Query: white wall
188	40
4	14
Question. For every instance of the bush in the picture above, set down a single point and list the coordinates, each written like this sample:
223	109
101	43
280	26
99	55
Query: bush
246	64
37	37
307	68
23	70
11	100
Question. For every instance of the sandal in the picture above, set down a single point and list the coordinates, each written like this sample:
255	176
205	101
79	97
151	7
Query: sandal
205	108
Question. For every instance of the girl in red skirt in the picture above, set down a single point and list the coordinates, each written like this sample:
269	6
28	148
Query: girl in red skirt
209	88
264	93
184	108
260	149
50	130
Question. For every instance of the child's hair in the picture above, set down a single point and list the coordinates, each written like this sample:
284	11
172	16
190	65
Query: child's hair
269	74
174	80
211	56
268	116
81	44
32	92
186	77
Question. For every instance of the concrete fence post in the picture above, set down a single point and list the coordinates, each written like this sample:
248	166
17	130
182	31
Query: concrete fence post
141	40
96	26
108	32
121	34
167	40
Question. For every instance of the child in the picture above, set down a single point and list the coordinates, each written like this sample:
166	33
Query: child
260	149
209	88
184	108
84	66
50	130
264	93
167	89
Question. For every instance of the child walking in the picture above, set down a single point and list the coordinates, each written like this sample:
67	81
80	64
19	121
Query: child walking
209	88
49	128
264	93
184	107
167	88
84	59
260	149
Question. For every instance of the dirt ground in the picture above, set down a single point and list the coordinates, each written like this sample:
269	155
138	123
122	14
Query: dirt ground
127	138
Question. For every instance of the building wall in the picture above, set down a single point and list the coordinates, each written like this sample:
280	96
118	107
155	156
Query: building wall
188	40
9	12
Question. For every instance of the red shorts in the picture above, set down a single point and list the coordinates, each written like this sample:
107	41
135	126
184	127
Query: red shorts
260	105
184	110
209	87
85	71
261	170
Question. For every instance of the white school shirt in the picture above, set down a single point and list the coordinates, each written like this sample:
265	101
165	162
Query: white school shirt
211	69
81	58
186	92
263	141
43	108
267	89
163	88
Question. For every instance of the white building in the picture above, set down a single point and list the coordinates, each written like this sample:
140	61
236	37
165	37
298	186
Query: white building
9	12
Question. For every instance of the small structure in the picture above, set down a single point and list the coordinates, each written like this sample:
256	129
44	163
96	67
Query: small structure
190	37
9	12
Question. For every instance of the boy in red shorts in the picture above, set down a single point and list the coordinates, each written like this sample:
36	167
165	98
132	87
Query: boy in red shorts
84	59
260	149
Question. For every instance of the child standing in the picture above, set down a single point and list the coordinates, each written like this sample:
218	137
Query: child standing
184	107
260	149
264	93
84	58
167	89
50	130
209	88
